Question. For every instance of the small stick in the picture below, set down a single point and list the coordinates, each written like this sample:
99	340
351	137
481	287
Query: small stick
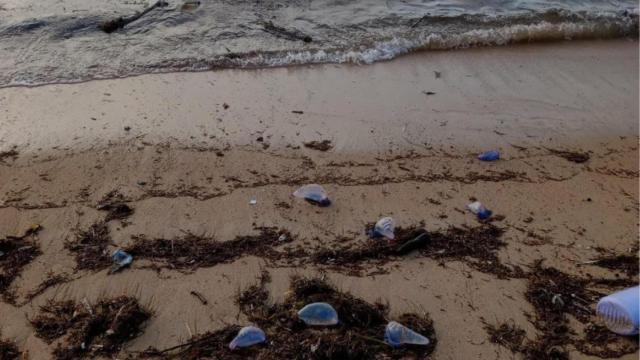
185	344
200	297
370	339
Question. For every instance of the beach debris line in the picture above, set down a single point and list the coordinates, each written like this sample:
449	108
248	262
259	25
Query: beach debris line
121	259
358	336
491	155
384	228
324	145
193	251
318	314
17	252
396	335
314	194
475	246
90	331
110	26
278	31
248	336
480	210
620	311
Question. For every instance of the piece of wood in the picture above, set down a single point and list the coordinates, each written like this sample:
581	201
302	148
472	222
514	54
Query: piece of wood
118	23
200	297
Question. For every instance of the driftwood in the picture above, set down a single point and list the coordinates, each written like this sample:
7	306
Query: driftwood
293	35
120	22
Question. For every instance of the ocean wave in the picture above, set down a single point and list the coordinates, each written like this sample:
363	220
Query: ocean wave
71	49
382	50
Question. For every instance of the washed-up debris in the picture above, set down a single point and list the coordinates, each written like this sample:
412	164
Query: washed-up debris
54	319
121	259
491	155
190	5
620	311
324	145
120	22
555	296
507	335
601	342
318	314
573	156
9	154
8	350
114	204
192	251
384	228
50	281
278	31
247	336
475	246
416	243
90	331
626	263
358	336
90	248
398	335
314	194
480	210
17	252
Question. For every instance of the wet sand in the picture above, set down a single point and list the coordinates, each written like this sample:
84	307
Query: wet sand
188	152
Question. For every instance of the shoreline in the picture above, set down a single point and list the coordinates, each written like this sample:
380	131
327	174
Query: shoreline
188	164
483	97
413	52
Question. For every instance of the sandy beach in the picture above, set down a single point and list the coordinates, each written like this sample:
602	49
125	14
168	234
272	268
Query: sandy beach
186	152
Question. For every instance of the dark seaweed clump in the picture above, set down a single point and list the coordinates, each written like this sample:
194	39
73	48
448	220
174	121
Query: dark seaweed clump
90	248
555	297
507	335
8	350
573	156
601	342
16	252
89	331
324	145
359	335
114	204
628	263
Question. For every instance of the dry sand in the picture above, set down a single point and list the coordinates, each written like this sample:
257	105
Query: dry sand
186	162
